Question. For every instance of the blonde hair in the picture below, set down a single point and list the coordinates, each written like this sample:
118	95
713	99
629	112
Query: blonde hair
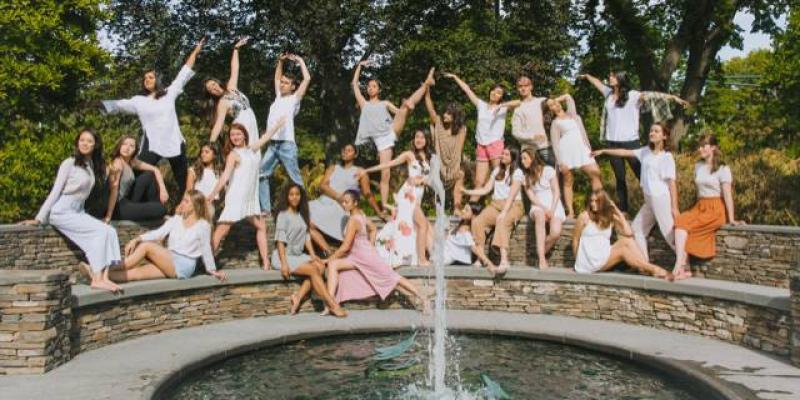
198	200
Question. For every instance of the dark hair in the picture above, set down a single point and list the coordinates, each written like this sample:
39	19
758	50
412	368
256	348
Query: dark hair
624	85
501	87
291	77
534	172
228	144
355	148
510	167
354	194
98	164
211	101
476	209
604	216
198	165
718	160
160	91
425	150
664	128
302	208
455	110
118	146
198	200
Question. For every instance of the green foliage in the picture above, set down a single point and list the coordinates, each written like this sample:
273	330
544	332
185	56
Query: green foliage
783	74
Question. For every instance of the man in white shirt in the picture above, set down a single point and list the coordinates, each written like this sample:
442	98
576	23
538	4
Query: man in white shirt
282	148
527	123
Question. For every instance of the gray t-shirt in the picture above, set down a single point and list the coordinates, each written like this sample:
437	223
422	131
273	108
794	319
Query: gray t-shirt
290	228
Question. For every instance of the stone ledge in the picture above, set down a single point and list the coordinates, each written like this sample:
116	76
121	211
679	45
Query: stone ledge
761	296
37	276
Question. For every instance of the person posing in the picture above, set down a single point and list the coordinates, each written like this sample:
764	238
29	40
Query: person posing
188	235
63	209
132	198
356	270
155	108
527	123
541	187
460	245
658	185
591	240
204	174
241	196
406	238
326	212
449	134
504	211
695	229
572	147
489	131
228	100
377	125
291	236
620	128
282	148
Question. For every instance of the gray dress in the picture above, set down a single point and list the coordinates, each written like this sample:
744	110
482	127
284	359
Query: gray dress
291	230
375	121
326	212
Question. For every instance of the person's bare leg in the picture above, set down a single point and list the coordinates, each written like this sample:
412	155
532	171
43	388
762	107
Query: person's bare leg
158	256
593	171
261	240
569	180
384	156
539	220
423	299
138	255
318	285
319	239
422	226
632	256
140	273
408	105
458	188
680	270
297	297
481	174
220	232
334	268
554	235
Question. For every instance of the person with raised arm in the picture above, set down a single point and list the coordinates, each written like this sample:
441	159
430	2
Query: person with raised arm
376	124
541	187
241	196
449	134
527	122
155	108
572	147
620	124
326	213
130	197
64	210
591	240
224	100
489	131
658	185
282	147
188	235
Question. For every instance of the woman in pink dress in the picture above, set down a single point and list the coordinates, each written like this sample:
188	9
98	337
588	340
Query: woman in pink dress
355	270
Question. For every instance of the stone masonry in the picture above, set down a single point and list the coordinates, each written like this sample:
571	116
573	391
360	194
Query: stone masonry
35	318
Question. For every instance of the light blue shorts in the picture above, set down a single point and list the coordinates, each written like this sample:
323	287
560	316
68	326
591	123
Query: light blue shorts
184	266
384	142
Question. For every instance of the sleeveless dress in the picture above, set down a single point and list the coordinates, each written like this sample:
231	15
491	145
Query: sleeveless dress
572	150
325	212
206	182
544	192
397	240
374	122
371	276
243	114
241	199
594	248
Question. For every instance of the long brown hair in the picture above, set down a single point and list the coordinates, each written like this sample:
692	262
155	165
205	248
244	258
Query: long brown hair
510	167
666	143
160	91
216	165
95	160
118	146
604	216
211	101
198	200
534	172
718	160
228	144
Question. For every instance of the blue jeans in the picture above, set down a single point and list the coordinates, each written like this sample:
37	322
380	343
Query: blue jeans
278	150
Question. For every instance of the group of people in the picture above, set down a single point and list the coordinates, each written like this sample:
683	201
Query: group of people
363	263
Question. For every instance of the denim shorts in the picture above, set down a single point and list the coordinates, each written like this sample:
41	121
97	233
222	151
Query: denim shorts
184	266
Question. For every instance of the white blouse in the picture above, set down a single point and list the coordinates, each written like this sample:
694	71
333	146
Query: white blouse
193	241
622	123
657	171
710	184
283	106
502	188
71	180
543	185
491	126
157	116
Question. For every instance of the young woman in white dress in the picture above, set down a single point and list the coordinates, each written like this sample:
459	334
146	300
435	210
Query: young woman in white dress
228	100
241	198
204	174
658	185
591	240
541	187
406	238
63	209
571	147
188	235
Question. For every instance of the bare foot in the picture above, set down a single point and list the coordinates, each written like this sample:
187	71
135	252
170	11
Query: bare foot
325	311
429	80
85	270
339	312
266	266
543	264
492	270
295	304
683	274
425	263
504	267
101	285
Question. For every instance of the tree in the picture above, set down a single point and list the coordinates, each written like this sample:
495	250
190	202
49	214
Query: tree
783	75
49	50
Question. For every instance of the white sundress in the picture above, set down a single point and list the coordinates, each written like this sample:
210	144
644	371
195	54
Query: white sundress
594	248
243	114
544	192
572	150
241	199
397	240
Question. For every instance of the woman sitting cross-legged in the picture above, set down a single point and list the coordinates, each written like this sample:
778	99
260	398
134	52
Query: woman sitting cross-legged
460	245
356	270
591	240
188	235
291	236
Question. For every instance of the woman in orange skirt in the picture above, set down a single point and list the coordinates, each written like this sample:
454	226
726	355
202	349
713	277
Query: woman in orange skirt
695	230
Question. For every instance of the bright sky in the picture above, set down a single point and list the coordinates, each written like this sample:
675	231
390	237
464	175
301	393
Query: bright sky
752	41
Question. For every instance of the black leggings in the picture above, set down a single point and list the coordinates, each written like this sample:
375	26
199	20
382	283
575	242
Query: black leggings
618	165
177	163
142	203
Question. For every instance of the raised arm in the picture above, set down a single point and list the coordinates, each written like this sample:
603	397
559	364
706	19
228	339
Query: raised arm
193	55
467	90
614	152
219	122
602	88
301	90
233	81
265	138
162	188
434	117
354	83
666	96
230	165
405	157
279	73
511	104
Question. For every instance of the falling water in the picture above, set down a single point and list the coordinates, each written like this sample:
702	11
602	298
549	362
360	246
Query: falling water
438	360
